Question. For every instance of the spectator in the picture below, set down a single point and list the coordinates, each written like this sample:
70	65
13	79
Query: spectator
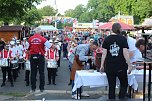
2	44
115	49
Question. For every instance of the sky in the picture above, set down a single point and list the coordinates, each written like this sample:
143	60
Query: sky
62	5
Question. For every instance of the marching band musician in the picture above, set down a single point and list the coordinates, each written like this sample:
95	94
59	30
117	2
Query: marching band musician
25	44
52	53
20	51
58	46
13	56
27	69
5	53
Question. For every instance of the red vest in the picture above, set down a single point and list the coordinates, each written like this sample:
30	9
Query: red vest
5	54
36	44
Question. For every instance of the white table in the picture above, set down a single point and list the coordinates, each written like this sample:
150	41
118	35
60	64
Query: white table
139	75
96	79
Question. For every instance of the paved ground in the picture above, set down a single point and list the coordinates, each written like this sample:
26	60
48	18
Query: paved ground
53	92
61	91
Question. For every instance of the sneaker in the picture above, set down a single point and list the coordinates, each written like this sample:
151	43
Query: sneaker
3	84
84	94
75	97
49	84
12	85
41	90
32	91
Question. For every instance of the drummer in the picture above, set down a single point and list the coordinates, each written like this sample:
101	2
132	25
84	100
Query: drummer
5	54
20	51
52	54
13	56
27	69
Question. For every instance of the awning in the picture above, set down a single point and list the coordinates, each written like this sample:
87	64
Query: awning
108	26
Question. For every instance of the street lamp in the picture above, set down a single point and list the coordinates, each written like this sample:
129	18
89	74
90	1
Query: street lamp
55	19
56	13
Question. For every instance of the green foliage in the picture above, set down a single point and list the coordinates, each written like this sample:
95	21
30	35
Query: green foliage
10	9
103	10
32	16
47	11
69	13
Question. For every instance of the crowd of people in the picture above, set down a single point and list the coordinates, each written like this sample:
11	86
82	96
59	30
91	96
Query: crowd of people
83	50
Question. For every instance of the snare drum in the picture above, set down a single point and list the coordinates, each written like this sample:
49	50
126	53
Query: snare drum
4	62
27	65
14	64
52	63
21	60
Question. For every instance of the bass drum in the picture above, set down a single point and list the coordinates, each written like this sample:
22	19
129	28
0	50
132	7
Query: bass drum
52	63
4	62
27	65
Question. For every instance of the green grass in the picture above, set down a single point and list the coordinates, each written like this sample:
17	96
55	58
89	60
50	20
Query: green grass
15	94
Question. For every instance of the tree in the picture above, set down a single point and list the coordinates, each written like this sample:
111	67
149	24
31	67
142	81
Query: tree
32	16
78	11
47	11
140	9
69	13
85	17
10	9
100	9
103	10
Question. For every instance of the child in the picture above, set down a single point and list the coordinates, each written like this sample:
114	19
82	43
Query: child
27	68
13	60
52	55
5	54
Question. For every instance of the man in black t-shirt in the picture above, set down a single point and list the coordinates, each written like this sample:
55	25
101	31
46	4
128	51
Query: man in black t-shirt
2	44
115	61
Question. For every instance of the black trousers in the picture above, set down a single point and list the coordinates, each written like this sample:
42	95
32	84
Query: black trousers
7	70
20	66
51	74
58	62
37	63
27	76
123	78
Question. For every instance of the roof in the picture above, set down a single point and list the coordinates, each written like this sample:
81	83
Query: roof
145	27
11	28
108	26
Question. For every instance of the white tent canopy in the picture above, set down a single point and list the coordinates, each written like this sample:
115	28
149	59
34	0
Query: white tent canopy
47	28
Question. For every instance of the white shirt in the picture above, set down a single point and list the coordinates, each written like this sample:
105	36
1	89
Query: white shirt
26	45
14	51
57	46
138	55
71	54
132	48
20	50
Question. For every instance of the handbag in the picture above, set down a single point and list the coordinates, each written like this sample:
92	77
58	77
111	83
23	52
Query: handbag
52	63
4	62
27	65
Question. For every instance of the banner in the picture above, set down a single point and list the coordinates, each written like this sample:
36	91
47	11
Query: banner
50	19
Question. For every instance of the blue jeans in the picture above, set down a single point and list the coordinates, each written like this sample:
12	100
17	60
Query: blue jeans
65	54
76	90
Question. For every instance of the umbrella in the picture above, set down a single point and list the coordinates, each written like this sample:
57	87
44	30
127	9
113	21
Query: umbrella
108	26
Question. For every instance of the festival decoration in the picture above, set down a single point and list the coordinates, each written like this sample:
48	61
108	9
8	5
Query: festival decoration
52	19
